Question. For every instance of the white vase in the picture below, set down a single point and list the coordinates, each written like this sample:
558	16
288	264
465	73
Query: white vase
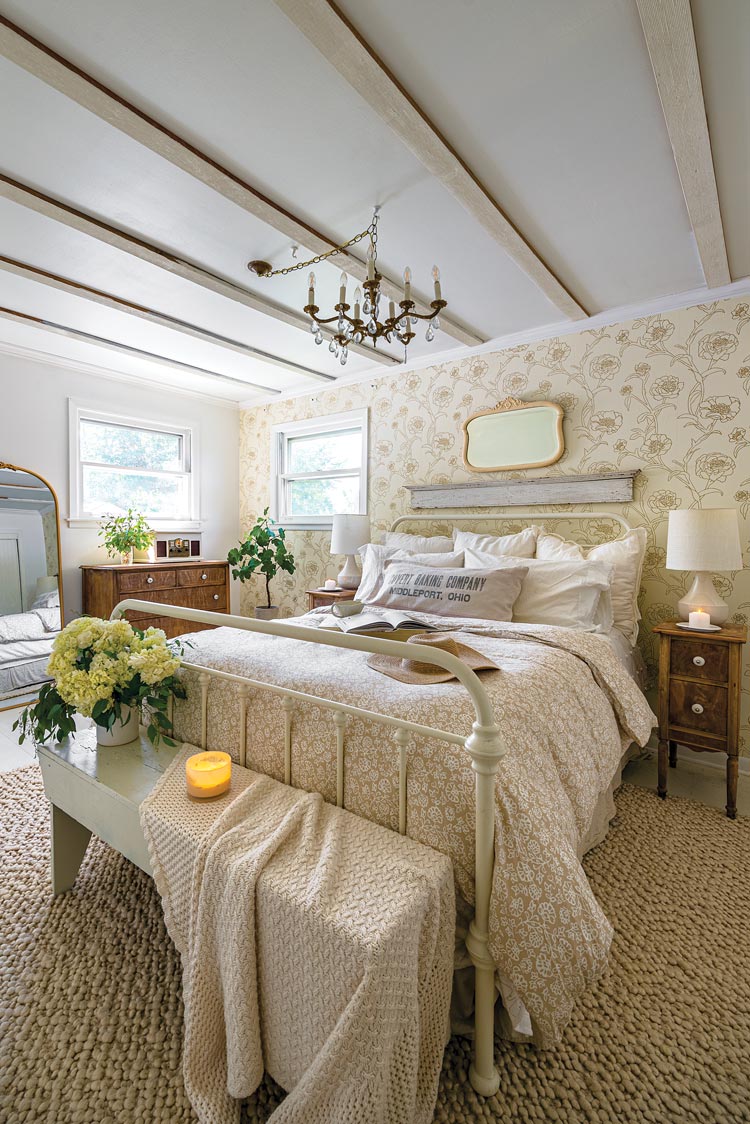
126	558
124	730
266	612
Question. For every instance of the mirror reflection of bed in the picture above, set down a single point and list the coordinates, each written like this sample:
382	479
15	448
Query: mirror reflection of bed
31	608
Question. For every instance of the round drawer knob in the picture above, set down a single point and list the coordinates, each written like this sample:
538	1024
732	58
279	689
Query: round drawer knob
697	708
149	581
216	598
204	577
698	661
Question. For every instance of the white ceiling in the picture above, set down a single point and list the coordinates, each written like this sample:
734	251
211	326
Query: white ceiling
553	106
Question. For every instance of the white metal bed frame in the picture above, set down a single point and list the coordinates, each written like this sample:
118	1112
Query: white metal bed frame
484	745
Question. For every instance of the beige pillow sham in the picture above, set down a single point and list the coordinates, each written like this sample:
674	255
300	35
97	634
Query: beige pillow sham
488	594
375	557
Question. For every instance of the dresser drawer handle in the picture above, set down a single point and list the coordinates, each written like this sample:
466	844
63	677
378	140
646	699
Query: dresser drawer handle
149	581
697	708
216	598
698	661
204	577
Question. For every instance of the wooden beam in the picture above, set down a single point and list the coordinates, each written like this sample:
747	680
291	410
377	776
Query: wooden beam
61	212
113	345
670	38
341	44
45	64
108	300
597	487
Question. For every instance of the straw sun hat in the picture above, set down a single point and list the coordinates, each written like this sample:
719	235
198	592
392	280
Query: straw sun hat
421	670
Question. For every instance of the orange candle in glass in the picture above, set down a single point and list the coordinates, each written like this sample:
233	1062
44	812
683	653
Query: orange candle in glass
208	774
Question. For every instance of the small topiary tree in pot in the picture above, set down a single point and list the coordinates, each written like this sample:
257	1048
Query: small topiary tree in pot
263	551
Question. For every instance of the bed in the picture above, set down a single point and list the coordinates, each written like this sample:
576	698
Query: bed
26	641
511	776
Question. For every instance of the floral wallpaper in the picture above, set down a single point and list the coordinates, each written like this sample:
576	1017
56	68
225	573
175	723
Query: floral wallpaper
668	394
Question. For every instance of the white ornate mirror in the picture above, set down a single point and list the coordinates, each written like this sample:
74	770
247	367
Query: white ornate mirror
514	434
31	603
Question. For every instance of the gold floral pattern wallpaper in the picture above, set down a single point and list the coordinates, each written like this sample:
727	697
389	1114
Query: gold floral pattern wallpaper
668	394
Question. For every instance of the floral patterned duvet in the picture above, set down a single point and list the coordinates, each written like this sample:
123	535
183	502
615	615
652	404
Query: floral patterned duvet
567	710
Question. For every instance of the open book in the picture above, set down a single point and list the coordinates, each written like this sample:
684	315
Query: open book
384	620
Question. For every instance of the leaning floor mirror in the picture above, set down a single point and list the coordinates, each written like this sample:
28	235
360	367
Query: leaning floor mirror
31	599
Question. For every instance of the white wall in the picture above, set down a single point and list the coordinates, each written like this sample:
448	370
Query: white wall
34	434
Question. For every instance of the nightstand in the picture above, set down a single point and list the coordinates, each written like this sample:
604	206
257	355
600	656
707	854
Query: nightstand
317	598
699	697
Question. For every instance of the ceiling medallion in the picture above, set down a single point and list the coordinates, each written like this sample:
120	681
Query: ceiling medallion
364	325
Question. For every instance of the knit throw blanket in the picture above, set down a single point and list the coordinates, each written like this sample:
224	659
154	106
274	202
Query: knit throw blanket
315	945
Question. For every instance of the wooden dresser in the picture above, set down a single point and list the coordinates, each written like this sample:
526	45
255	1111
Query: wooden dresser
699	697
196	585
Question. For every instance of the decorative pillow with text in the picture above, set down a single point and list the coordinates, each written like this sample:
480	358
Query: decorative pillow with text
486	594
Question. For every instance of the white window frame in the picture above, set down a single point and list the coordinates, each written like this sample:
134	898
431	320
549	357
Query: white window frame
78	412
310	427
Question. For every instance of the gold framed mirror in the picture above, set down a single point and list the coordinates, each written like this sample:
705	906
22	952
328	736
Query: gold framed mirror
31	594
513	435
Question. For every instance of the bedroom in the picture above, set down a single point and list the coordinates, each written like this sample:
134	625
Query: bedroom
578	172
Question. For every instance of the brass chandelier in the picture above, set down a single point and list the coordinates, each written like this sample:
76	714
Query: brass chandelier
365	324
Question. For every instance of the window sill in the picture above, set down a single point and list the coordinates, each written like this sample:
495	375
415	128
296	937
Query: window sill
162	527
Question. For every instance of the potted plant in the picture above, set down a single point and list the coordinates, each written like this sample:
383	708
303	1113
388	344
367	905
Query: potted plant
106	670
264	549
123	534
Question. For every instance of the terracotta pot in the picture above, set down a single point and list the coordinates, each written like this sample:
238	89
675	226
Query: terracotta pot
124	730
266	614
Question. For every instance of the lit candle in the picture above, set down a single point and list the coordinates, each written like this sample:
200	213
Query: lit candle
407	284
357	299
699	619
436	279
311	289
342	289
208	774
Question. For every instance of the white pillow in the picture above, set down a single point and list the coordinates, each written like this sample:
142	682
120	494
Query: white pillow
521	545
566	594
487	593
625	555
49	600
419	544
375	557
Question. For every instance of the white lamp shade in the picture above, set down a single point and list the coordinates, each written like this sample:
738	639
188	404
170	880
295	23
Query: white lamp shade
349	533
704	538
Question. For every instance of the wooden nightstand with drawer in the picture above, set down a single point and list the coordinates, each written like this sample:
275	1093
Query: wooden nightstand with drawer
699	697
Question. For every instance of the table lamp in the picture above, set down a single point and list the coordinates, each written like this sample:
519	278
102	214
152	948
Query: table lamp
706	540
349	533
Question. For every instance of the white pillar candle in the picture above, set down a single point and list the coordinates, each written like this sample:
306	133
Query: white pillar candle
699	619
330	584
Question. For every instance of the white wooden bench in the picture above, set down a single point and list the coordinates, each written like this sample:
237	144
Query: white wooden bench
98	793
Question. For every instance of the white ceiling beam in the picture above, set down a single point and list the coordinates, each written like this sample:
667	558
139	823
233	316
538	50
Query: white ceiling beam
65	330
45	64
670	38
108	300
61	212
348	52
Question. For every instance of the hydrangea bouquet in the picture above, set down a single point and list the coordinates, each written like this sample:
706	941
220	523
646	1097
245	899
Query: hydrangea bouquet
101	669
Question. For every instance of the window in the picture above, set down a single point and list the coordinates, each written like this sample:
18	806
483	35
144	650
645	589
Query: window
319	468
119	462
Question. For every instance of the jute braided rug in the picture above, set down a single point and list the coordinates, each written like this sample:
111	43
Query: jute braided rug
91	1018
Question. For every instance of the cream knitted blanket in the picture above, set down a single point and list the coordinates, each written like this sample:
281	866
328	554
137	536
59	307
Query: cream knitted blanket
315	945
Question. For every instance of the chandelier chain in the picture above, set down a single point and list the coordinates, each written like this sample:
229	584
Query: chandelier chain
372	231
